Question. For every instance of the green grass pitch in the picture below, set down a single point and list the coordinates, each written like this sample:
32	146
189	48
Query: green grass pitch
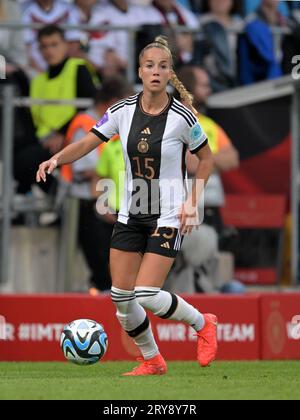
185	380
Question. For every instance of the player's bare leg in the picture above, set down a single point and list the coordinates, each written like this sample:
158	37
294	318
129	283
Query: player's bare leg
132	316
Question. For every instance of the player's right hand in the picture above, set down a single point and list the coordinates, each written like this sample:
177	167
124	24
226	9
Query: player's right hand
46	168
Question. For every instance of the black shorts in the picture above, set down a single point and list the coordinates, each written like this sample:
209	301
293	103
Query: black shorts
163	241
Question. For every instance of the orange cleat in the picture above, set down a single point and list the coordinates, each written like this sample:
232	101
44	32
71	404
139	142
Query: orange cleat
207	341
154	366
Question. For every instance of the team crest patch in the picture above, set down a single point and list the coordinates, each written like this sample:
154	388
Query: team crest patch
196	132
103	120
143	146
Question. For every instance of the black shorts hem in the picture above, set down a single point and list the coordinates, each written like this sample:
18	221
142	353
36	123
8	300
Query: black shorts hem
162	241
118	248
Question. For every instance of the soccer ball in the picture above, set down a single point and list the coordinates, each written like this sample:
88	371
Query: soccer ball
83	342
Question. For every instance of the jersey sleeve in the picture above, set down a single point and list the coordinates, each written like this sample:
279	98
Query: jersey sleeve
194	137
107	127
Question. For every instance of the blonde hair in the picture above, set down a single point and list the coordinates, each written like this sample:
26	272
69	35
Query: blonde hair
162	43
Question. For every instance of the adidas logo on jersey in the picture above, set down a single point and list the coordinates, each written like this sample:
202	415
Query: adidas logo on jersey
146	131
166	245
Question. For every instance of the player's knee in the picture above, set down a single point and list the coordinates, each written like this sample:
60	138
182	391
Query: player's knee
147	297
130	314
154	299
122	298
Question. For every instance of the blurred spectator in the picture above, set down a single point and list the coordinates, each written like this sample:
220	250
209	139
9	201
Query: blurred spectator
23	4
194	6
12	48
95	230
291	42
110	51
218	52
86	9
174	14
226	156
47	12
12	45
260	52
294	6
251	6
66	78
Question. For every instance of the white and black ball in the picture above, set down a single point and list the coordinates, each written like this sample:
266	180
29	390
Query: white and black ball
83	342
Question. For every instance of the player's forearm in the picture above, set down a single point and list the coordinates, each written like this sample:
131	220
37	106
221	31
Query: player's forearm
204	170
77	150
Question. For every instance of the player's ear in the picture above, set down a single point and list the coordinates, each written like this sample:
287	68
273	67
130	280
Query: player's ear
140	73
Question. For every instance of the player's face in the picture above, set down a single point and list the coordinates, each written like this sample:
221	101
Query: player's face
155	70
54	49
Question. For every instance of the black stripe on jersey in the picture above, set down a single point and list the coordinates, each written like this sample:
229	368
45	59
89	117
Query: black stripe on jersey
117	104
184	108
121	105
100	135
123	102
199	147
130	98
188	121
188	113
192	121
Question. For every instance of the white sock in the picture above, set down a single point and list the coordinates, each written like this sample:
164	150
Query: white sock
134	321
169	306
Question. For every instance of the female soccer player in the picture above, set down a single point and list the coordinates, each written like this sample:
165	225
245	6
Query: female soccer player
155	130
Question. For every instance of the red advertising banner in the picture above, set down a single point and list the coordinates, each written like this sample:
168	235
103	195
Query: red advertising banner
280	326
34	324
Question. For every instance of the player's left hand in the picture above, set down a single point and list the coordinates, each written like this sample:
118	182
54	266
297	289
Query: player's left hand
46	168
189	218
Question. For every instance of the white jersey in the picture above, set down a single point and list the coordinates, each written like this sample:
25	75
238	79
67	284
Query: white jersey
154	149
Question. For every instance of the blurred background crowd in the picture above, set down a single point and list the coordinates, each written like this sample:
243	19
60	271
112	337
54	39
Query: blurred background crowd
230	58
222	45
